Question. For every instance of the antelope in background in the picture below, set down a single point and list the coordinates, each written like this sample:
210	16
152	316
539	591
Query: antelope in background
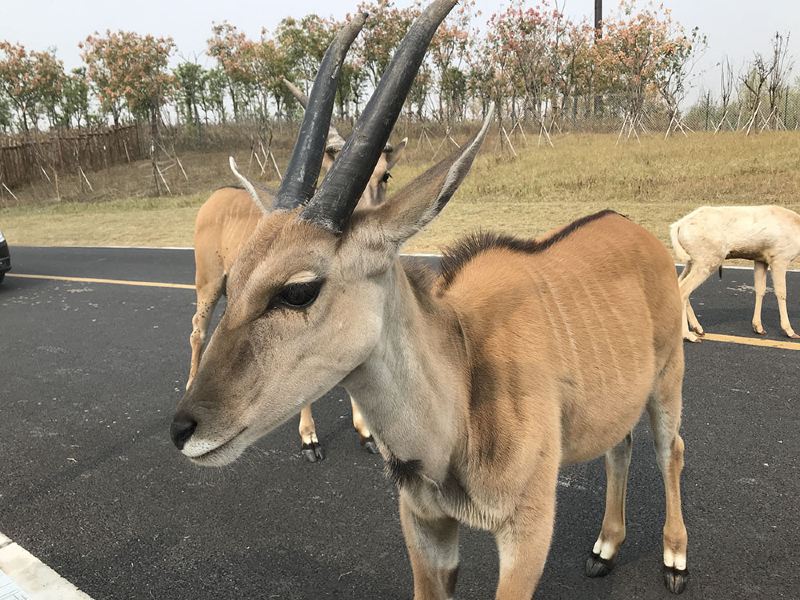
477	384
225	222
767	235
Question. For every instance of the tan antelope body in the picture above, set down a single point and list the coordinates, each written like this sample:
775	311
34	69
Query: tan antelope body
478	384
224	222
767	235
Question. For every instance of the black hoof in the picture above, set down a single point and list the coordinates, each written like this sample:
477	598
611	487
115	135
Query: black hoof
313	452
675	579
597	566
369	445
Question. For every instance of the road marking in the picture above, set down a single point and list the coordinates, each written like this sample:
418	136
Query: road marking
736	339
25	577
105	247
158	284
713	337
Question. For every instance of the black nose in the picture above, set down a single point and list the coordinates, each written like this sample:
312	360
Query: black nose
182	428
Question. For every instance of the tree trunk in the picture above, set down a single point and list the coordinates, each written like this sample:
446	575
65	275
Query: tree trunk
154	147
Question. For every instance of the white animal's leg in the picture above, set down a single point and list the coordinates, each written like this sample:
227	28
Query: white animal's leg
664	408
612	533
208	295
760	283
779	283
698	273
694	324
367	441
685	270
432	544
311	448
687	306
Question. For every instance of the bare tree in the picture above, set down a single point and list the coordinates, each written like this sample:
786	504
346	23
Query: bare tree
781	68
725	93
754	79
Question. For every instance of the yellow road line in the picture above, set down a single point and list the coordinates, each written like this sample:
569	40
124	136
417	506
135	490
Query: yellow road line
746	341
712	337
157	284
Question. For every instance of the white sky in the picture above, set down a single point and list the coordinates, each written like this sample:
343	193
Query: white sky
735	28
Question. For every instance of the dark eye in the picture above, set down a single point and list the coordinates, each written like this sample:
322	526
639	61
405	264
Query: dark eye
386	177
297	295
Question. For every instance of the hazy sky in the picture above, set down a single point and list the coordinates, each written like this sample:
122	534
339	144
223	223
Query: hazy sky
734	28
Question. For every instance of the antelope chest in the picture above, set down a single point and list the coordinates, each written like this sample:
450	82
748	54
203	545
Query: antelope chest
448	497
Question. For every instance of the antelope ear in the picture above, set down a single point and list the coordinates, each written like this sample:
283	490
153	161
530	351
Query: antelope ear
418	203
395	154
328	158
251	190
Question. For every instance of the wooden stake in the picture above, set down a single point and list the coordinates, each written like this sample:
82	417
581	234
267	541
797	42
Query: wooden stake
10	192
86	179
508	141
275	164
55	178
160	174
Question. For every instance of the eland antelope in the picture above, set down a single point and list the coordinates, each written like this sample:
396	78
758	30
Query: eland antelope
767	235
225	222
478	383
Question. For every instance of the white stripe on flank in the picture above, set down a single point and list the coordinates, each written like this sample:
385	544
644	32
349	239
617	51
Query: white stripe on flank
25	577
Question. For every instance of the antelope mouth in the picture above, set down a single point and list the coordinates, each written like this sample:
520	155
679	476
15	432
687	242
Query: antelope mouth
221	454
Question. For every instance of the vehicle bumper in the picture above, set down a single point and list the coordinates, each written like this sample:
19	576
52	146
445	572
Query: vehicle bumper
5	258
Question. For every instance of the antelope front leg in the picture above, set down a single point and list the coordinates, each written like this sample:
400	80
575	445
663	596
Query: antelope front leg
207	296
779	283
432	543
311	448
612	534
760	283
524	541
367	441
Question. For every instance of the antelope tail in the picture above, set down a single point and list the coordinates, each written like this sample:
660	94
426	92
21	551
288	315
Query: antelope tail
720	271
676	245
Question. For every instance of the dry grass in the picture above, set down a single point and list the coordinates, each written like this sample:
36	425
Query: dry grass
654	183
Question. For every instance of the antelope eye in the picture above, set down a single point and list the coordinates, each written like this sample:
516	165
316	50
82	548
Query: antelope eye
386	177
297	295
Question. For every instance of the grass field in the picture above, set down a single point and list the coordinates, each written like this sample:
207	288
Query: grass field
654	183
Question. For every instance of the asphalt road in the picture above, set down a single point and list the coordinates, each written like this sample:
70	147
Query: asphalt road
90	483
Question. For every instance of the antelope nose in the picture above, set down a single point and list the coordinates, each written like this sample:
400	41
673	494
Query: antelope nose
181	429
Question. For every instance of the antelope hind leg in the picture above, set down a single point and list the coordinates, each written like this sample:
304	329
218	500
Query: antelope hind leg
207	297
760	283
694	324
665	419
697	274
360	425
311	448
779	283
612	533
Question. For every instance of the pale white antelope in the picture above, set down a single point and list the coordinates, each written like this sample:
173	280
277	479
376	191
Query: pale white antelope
479	383
225	222
767	235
